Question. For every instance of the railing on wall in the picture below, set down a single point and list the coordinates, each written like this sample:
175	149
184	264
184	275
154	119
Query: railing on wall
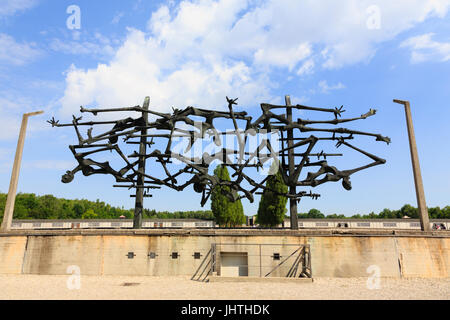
256	260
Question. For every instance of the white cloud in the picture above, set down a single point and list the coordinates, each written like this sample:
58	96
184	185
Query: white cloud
10	7
117	18
97	45
282	57
12	52
324	87
200	51
306	68
423	48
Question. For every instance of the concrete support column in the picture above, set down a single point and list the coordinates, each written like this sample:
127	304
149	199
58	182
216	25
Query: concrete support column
420	194
9	207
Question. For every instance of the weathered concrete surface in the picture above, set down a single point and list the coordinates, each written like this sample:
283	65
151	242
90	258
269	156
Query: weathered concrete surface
53	255
332	255
419	258
351	256
12	251
116	249
234	232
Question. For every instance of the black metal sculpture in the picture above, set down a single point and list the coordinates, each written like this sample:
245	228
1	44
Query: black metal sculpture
182	124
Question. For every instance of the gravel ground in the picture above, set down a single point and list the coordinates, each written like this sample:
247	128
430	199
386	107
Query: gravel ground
182	288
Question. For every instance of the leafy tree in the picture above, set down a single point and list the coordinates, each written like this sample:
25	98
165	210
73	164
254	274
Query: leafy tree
238	217
335	216
20	211
78	209
225	211
387	214
445	212
315	214
89	214
435	213
272	206
410	211
302	216
371	215
31	206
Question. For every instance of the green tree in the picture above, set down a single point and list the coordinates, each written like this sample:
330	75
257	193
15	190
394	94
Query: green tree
387	214
89	214
315	214
410	211
302	216
336	216
78	210
272	206
435	213
226	212
238	217
445	212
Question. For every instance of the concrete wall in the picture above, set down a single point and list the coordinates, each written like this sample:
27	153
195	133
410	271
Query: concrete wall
12	252
331	256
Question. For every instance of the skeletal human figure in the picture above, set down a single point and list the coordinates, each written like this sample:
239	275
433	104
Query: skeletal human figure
167	127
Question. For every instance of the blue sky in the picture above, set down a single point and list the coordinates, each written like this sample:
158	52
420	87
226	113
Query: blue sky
360	54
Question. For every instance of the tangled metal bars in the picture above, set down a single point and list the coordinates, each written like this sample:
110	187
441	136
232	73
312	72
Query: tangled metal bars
182	124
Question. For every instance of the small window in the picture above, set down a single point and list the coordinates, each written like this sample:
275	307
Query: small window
152	255
363	224
174	255
130	255
276	256
389	224
201	224
177	224
321	224
197	255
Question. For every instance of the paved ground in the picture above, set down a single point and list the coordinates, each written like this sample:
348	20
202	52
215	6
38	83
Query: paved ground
166	288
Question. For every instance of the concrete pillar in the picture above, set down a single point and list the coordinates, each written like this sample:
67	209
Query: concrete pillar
420	194
9	207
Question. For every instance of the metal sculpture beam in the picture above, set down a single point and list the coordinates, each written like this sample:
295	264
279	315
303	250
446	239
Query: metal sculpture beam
292	135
